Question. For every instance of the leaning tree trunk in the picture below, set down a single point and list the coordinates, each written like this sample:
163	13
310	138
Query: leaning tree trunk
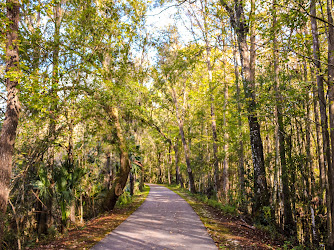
9	126
123	173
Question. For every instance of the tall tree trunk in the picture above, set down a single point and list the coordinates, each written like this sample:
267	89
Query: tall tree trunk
225	182
214	140
212	112
176	150
72	209
323	113
331	115
170	162
321	95
241	164
320	154
141	180
18	229
277	168
247	58
214	146
308	172
71	164
125	167
184	142
159	167
9	126
311	169
110	170
53	116
81	210
132	183
289	225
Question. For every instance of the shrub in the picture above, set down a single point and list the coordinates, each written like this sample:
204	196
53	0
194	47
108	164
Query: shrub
124	199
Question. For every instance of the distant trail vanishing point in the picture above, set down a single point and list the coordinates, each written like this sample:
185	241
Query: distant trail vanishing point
164	221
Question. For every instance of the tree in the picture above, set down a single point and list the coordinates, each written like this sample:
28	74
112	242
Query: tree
9	126
174	65
122	176
330	69
247	58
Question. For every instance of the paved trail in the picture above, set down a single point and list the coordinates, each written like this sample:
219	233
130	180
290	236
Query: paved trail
164	221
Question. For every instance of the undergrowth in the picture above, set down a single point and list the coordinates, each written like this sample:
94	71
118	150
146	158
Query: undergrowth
228	231
227	209
124	199
95	230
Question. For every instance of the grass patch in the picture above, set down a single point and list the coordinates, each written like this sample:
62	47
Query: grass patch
95	230
226	209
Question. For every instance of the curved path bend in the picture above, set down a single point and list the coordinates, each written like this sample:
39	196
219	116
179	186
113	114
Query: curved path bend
163	221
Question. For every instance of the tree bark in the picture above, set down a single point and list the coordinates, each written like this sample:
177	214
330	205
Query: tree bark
9	126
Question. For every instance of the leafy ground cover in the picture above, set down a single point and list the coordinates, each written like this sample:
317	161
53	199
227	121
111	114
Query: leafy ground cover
226	227
93	231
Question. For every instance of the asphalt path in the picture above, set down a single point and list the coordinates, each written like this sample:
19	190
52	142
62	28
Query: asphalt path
163	221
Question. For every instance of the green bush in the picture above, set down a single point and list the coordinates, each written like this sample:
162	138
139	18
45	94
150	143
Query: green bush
270	229
229	209
214	204
124	199
226	209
